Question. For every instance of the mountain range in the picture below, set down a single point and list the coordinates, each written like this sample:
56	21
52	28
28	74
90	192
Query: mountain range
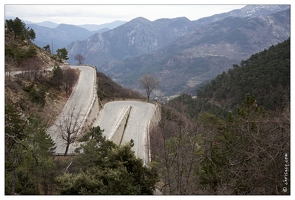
105	26
140	35
182	53
135	37
60	35
204	53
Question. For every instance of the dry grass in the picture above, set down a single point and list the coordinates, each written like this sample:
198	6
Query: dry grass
54	101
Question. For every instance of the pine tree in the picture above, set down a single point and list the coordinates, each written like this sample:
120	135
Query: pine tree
62	54
106	168
40	147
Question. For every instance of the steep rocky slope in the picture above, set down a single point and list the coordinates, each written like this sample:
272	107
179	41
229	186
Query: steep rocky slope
202	54
134	38
140	35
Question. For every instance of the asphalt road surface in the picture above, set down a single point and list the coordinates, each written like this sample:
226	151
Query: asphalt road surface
137	124
76	107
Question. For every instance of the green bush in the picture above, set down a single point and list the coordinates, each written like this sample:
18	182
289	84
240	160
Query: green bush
37	95
20	54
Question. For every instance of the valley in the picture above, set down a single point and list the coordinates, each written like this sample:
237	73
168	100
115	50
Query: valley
183	54
211	118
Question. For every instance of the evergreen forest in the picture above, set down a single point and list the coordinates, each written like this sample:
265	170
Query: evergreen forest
232	139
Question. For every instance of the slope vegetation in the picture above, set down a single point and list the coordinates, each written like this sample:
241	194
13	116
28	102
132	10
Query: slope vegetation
202	54
265	75
232	138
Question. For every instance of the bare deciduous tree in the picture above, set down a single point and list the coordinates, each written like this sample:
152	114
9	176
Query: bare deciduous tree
79	58
69	78
174	146
32	67
9	59
7	71
69	125
148	82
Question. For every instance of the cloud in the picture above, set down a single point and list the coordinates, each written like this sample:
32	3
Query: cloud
98	14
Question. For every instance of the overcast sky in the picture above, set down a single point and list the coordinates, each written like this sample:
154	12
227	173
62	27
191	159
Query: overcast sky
101	13
105	11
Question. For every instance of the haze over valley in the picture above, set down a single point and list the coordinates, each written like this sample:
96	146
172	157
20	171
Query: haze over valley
169	106
182	53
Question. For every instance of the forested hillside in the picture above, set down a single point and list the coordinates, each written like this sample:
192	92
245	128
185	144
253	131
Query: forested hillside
202	54
34	89
107	89
265	75
234	138
34	97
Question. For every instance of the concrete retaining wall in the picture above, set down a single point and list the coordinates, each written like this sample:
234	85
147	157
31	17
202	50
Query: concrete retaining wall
93	110
154	121
92	114
118	133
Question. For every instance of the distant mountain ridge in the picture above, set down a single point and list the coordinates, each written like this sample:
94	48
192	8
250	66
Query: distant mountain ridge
135	37
47	24
166	45
183	53
113	46
95	27
248	11
60	35
202	54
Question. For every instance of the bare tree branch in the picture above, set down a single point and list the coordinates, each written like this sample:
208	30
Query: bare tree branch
79	58
149	83
69	126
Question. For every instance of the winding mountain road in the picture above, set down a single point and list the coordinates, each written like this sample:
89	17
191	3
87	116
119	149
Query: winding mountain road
78	104
135	126
121	120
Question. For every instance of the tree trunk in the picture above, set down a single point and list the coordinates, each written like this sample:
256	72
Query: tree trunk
148	95
67	148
